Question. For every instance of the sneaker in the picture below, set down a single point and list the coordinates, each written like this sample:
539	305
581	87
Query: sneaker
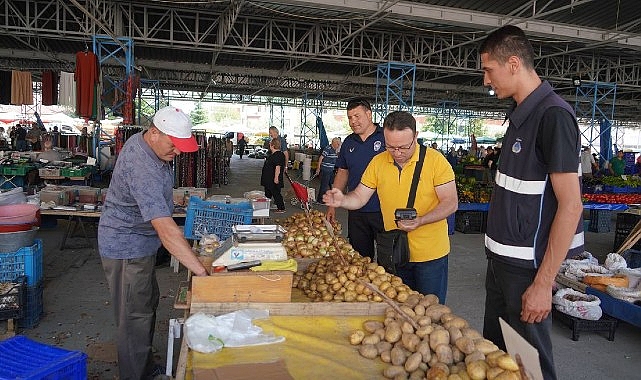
279	211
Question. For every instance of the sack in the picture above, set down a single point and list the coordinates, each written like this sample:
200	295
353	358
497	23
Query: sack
392	249
577	304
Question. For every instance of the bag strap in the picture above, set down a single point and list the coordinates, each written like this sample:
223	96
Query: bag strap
417	174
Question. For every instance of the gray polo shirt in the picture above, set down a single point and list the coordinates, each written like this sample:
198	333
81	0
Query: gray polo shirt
140	190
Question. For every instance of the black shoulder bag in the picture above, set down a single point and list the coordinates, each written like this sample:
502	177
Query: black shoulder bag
392	247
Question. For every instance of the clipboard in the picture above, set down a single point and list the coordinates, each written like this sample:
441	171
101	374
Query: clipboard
517	345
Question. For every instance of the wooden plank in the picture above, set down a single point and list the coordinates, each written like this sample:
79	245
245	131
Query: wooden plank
295	308
242	286
181	367
570	283
183	297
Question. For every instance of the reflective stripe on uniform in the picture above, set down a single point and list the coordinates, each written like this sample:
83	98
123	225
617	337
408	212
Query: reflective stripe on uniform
523	253
520	186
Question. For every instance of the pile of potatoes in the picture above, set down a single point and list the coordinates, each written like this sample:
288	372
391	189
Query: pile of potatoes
342	279
442	346
307	236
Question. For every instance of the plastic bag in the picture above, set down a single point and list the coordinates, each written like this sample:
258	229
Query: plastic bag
614	262
578	271
634	276
208	244
577	304
625	294
207	333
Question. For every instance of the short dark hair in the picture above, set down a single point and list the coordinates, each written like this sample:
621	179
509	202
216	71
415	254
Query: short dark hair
507	41
399	120
356	102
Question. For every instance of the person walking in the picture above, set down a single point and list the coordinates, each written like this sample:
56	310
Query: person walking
135	220
326	167
587	162
534	220
366	141
390	175
242	144
272	175
274	134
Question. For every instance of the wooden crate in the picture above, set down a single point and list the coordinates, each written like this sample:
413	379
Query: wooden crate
242	287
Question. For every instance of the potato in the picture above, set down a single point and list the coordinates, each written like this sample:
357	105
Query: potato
454	376
429	299
438	371
474	356
447	317
380	333
457	355
412	300
493	372
485	346
398	356
455	334
444	353
471	333
436	311
371	339
477	370
423	348
368	351
356	337
506	362
410	341
466	345
508	375
408	310
419	310
412	362
386	357
371	326
383	346
393	332
424	321
491	357
407	327
438	337
419	374
456	322
400	376
424	331
392	371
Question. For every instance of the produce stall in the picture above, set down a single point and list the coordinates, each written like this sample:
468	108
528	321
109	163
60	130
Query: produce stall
339	311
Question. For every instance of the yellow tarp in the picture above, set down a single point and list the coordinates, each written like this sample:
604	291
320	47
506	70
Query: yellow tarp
314	348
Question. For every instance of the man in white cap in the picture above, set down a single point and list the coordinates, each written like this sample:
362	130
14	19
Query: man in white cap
136	219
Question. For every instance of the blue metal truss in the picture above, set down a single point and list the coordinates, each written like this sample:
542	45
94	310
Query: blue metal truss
148	98
311	113
594	108
394	86
277	114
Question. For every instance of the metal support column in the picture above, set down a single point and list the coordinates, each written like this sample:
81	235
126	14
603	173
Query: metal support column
311	113
447	115
276	115
394	86
594	108
148	101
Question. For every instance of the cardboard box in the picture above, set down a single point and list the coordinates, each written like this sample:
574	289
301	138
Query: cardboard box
61	196
88	194
243	286
181	195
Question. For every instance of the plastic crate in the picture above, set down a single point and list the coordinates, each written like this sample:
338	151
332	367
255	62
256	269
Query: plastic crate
600	220
75	171
471	222
12	183
12	299
606	323
627	220
23	358
26	261
206	217
33	306
49	172
17	170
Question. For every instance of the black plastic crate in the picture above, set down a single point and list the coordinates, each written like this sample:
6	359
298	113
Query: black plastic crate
626	221
606	323
619	238
12	298
600	220
471	222
33	309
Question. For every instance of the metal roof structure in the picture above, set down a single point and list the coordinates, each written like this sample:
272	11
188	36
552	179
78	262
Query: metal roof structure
248	49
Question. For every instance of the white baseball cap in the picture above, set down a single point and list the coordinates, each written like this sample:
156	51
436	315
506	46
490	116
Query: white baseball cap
175	123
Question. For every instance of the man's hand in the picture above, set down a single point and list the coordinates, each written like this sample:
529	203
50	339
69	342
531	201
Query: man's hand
408	224
536	303
333	197
330	215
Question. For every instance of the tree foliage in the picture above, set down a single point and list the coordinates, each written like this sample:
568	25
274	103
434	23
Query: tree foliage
198	115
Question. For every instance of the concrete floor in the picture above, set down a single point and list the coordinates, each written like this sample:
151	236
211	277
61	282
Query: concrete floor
78	315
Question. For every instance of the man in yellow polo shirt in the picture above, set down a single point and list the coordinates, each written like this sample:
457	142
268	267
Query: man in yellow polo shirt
390	175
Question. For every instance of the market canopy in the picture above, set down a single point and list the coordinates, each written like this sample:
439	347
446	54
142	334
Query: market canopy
485	140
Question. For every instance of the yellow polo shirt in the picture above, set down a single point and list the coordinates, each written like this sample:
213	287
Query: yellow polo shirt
429	241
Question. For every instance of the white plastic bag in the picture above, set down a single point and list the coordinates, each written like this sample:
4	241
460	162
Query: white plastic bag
614	262
578	271
207	333
577	304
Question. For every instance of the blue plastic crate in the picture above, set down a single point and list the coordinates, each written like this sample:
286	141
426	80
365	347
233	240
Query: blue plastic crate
33	306
23	358
600	221
26	261
206	217
12	299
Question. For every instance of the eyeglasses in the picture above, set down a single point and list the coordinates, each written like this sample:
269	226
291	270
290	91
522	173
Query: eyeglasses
403	148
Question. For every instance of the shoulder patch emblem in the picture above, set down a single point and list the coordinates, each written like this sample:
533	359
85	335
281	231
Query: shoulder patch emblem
377	146
516	147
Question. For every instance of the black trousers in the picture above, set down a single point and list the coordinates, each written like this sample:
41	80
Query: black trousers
273	191
504	286
362	228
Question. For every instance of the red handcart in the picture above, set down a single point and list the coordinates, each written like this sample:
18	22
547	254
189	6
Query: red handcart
301	192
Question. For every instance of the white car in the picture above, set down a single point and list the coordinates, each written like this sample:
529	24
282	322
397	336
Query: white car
69	130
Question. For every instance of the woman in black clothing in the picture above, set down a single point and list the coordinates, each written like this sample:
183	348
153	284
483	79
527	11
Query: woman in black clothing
272	175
